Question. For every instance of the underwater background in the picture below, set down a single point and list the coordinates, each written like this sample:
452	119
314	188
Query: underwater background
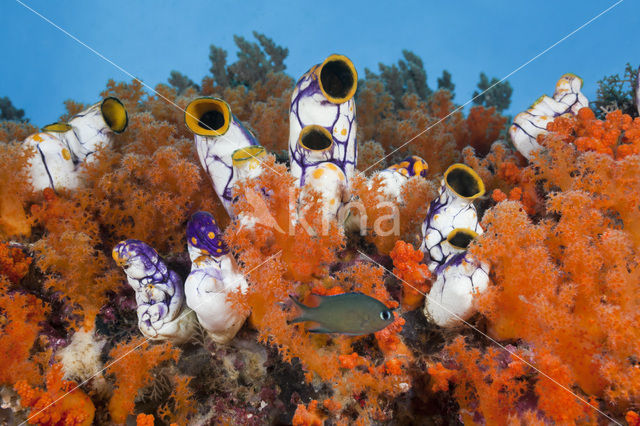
251	214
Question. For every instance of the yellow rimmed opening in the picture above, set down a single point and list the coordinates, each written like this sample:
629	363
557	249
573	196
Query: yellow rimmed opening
208	116
315	138
460	238
464	181
338	79
114	114
58	127
248	153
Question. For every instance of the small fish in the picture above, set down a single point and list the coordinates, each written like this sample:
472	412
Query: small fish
352	314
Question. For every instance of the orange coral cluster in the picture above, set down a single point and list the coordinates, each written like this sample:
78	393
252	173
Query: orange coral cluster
488	383
384	219
62	403
20	325
414	275
14	185
618	135
436	129
133	362
565	283
14	264
150	180
562	237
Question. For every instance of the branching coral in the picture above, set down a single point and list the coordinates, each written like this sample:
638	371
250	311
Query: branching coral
486	384
485	126
386	220
14	264
414	275
574	270
62	403
286	272
77	270
14	187
132	365
20	320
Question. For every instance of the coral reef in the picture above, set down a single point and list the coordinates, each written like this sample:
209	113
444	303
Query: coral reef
547	291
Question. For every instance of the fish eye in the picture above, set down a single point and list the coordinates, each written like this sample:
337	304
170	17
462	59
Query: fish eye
385	315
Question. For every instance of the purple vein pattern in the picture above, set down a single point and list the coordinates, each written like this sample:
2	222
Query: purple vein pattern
159	292
567	99
215	156
309	106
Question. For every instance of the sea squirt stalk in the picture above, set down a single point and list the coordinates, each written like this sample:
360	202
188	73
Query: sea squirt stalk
322	125
214	275
62	147
453	208
162	314
218	134
458	279
567	100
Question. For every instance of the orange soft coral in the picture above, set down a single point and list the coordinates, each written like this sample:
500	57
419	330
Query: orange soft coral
440	377
20	320
618	135
489	384
14	264
413	274
378	121
181	405
485	125
308	416
565	283
632	418
131	365
62	403
78	270
267	259
145	420
15	188
386	220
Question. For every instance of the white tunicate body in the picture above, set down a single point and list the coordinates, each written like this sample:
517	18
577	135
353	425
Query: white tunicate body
529	124
448	212
90	133
215	156
51	166
330	182
309	106
207	288
158	293
450	299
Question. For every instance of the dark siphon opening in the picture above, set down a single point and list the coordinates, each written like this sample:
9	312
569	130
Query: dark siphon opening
211	120
463	182
315	140
337	79
461	239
